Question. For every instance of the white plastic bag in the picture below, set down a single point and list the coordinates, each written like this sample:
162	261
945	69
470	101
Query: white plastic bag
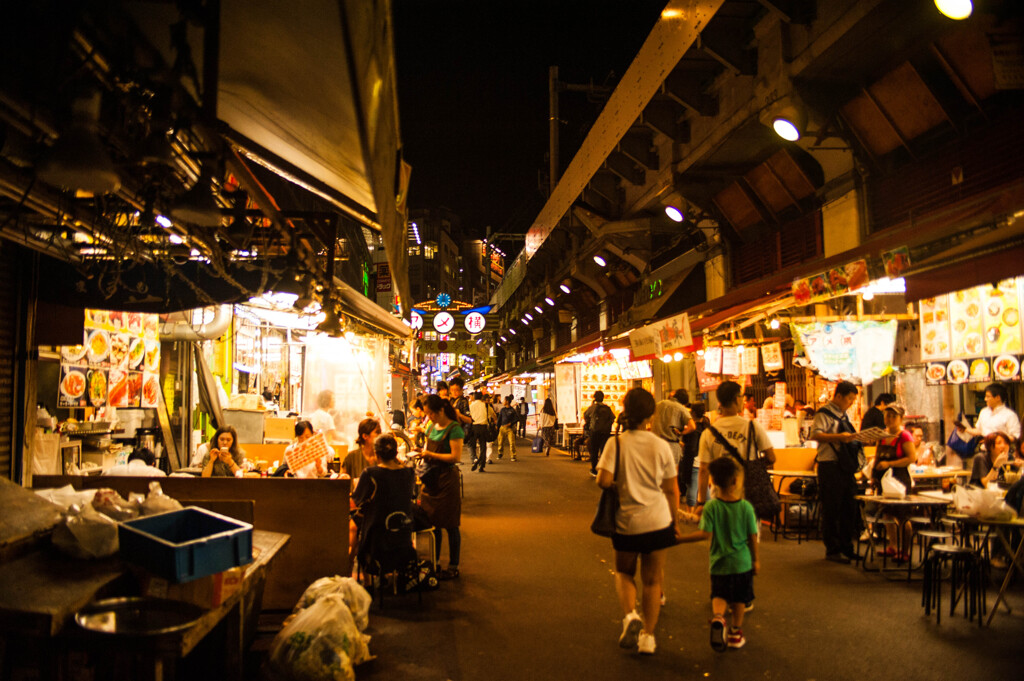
86	533
891	487
982	503
158	502
320	643
67	496
350	590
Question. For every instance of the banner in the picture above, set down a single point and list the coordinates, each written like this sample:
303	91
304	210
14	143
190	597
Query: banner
853	351
675	333
713	360
566	392
748	360
645	341
730	361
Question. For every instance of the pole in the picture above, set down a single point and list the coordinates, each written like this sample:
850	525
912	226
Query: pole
553	128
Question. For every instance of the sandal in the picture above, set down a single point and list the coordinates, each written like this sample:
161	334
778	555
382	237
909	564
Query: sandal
448	573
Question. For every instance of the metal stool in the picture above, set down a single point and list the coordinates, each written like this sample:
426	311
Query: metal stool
431	541
878	524
965	582
925	539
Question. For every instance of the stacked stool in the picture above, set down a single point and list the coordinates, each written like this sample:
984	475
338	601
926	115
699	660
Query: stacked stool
966	581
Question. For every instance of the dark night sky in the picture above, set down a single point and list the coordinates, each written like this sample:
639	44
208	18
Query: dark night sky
473	95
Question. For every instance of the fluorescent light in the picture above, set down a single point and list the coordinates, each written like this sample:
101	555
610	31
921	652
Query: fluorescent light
600	260
549	302
565	289
528	316
539	309
164	221
674	214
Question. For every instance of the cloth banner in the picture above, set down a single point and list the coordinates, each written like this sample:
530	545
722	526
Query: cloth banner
675	333
855	351
645	341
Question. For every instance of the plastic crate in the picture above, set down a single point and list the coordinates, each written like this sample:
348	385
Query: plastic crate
184	545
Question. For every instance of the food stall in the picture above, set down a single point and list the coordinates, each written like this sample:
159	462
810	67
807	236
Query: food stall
579	376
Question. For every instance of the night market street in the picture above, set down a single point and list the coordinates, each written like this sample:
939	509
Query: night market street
536	601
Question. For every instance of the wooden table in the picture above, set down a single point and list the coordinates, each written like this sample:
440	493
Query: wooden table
1002	529
40	592
938	475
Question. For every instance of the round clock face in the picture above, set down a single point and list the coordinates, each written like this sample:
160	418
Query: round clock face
443	300
443	322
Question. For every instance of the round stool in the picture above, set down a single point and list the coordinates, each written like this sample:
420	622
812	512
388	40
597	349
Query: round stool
965	581
925	539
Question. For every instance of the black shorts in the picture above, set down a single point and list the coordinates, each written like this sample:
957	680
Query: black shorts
645	542
737	588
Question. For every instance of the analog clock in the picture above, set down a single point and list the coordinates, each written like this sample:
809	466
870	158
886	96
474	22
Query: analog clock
443	300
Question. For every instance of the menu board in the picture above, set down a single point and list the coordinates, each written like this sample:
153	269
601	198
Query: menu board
116	363
1001	310
771	355
730	361
968	325
713	360
1005	367
748	360
935	328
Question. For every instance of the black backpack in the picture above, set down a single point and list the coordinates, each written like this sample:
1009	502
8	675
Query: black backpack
603	419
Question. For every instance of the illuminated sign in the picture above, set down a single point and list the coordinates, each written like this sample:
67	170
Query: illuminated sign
415	320
443	322
475	322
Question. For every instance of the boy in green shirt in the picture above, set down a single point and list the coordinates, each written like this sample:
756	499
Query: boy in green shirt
729	521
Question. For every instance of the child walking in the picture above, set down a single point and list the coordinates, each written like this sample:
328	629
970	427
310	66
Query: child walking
729	521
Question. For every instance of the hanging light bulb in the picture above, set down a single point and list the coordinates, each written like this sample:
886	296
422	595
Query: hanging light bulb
666	358
774	324
955	9
678	357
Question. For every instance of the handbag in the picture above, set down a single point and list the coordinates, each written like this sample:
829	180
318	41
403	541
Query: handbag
956	442
608	507
757	486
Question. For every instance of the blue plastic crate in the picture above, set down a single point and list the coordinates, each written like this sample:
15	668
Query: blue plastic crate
184	545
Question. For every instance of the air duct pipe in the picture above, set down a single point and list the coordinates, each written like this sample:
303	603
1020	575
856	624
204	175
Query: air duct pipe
185	331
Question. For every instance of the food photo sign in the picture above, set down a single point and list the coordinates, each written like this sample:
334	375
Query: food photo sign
974	335
116	365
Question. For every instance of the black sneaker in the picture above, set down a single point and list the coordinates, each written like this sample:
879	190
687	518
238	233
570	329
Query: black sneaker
853	555
837	558
718	634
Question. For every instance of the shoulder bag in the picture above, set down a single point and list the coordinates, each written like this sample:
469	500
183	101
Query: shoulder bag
608	506
847	453
757	486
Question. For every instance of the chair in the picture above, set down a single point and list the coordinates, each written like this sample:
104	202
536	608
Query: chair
393	558
966	581
878	525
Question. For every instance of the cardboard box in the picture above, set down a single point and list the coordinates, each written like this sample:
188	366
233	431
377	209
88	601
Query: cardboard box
206	592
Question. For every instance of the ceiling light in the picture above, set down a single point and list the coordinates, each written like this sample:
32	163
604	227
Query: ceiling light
164	221
674	214
539	309
666	358
331	325
786	129
868	295
678	356
599	259
549	302
700	353
955	9
528	316
513	331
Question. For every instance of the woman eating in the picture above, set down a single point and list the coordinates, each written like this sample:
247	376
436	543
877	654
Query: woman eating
440	498
646	521
363	457
988	465
224	458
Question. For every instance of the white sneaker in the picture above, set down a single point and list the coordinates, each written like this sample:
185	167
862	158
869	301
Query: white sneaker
645	644
631	626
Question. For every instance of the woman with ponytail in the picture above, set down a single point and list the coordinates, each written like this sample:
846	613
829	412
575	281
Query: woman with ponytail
440	496
646	523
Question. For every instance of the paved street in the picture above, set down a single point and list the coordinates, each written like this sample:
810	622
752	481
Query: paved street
536	601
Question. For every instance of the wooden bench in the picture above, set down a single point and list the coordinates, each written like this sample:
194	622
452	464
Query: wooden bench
314	512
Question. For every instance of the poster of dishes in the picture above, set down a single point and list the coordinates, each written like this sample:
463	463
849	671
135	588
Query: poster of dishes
1000	306
934	314
150	390
108	367
771	355
979	370
71	390
967	323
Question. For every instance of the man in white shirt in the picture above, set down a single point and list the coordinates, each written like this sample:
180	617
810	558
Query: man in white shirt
671	421
735	429
141	463
321	419
478	446
996	417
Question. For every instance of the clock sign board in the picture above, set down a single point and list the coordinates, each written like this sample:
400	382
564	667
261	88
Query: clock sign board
415	320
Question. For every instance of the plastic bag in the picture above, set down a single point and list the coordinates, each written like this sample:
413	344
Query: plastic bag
320	642
981	503
67	496
114	506
86	533
350	590
158	502
891	487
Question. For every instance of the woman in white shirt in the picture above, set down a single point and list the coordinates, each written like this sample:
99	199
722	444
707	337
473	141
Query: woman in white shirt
547	425
646	524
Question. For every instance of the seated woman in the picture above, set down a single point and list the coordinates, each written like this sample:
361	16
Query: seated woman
895	451
988	465
224	458
928	453
363	456
384	490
